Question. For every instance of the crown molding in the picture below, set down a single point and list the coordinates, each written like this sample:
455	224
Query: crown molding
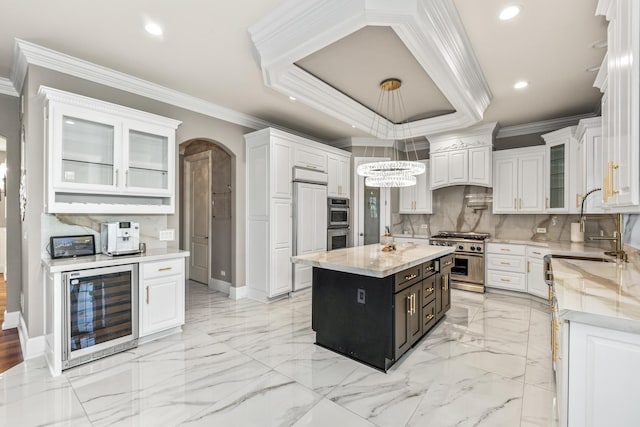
26	53
431	30
542	126
7	87
586	124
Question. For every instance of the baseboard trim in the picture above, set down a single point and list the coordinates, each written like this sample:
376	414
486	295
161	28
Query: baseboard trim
238	293
219	285
31	347
11	319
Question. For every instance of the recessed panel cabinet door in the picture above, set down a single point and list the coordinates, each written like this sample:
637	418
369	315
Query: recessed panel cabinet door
439	170
531	183
402	338
162	304
480	166
505	185
459	167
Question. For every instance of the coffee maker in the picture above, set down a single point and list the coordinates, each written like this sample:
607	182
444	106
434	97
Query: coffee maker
120	238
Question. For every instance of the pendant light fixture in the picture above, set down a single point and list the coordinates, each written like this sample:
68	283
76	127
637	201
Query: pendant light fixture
395	172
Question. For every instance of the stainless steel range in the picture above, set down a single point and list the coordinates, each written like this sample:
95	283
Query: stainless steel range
467	272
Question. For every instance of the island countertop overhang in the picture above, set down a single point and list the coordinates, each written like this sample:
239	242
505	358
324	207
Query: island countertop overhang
370	260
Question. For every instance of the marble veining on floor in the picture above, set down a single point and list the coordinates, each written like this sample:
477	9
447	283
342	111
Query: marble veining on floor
244	363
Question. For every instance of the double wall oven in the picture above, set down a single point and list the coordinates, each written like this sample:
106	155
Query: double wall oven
338	223
467	272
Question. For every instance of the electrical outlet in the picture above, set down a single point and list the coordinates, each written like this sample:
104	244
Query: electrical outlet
541	230
425	226
168	234
223	273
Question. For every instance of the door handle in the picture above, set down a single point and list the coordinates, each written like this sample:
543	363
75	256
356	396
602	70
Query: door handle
147	295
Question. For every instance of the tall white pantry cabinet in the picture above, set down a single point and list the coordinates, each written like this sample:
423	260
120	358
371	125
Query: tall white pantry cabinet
269	239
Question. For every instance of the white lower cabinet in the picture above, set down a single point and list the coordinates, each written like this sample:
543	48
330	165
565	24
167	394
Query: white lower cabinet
161	296
603	377
535	272
516	267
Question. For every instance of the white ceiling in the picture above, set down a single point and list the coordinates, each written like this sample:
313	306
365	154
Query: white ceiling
206	52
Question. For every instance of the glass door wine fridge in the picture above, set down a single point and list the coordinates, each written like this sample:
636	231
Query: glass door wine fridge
101	313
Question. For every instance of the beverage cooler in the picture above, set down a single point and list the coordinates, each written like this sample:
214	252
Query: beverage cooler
100	308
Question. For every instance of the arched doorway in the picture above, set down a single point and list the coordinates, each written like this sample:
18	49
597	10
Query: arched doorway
207	212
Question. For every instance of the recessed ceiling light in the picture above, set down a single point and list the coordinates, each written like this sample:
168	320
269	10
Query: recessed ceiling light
153	28
521	84
510	12
293	98
353	126
70	122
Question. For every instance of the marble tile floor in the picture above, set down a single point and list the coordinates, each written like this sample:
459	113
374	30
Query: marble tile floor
244	363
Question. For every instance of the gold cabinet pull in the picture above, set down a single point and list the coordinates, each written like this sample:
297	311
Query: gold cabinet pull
505	250
147	295
537	253
611	186
505	280
515	203
528	267
578	200
505	263
550	295
165	268
546	203
411	276
520	203
429	316
430	268
447	263
429	290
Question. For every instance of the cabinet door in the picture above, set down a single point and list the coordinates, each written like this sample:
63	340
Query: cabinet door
281	168
480	166
557	177
311	158
459	167
162	304
531	183
415	316
535	278
403	306
344	183
422	197
85	149
333	176
407	200
439	170
593	173
281	246
149	159
505	185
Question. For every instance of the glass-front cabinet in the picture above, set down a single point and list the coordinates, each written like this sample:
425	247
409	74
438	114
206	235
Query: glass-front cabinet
560	146
105	158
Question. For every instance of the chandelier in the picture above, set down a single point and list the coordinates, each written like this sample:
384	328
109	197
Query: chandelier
395	172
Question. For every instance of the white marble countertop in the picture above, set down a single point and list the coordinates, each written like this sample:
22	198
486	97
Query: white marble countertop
420	237
370	260
100	260
605	294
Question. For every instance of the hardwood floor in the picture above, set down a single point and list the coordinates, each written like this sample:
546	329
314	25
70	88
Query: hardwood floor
10	352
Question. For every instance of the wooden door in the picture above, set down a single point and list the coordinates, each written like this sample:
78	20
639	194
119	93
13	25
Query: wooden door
199	182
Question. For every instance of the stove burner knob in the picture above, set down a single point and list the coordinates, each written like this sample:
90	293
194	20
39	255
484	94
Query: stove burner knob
473	248
461	247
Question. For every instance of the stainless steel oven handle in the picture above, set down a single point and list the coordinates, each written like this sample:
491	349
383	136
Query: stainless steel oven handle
66	339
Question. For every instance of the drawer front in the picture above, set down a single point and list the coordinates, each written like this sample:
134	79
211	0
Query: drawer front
446	262
505	280
428	317
408	277
428	290
429	268
511	263
505	249
167	267
536	251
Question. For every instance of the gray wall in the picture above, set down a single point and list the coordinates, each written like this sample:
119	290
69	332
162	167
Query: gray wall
194	126
10	129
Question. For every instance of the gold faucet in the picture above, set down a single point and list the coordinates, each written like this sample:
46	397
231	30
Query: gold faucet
619	252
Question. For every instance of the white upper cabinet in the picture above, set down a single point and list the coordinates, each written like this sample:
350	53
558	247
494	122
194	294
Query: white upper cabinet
621	106
310	158
462	158
339	175
561	151
417	198
105	158
518	183
589	136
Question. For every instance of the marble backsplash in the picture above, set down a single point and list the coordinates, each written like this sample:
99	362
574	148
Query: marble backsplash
460	208
73	224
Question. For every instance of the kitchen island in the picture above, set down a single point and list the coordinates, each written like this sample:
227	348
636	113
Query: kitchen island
372	305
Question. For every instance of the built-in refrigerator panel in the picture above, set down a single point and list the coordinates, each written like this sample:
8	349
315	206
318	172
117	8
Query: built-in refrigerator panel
310	227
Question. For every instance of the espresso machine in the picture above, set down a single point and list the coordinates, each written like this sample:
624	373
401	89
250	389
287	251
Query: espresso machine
120	238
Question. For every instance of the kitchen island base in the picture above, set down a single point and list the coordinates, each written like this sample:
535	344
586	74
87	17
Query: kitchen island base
376	320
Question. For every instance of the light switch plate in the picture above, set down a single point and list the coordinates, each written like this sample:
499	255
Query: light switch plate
168	234
541	230
426	226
